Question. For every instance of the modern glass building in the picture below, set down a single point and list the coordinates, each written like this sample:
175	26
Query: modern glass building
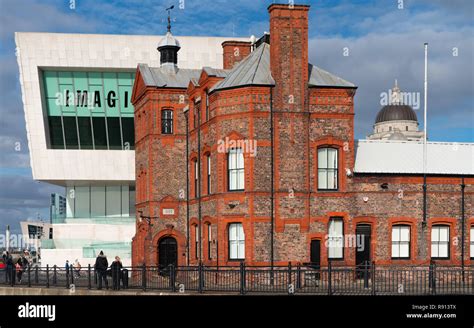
76	92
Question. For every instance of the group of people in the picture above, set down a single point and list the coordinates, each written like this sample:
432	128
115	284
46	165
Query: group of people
101	267
16	267
76	267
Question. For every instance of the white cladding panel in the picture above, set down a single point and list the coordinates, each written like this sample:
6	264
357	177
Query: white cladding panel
83	51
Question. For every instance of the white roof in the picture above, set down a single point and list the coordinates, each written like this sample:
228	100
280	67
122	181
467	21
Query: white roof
406	157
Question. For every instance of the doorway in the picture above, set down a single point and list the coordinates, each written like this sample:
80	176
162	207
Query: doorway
167	252
363	235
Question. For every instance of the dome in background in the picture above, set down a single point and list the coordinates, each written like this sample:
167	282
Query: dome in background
396	113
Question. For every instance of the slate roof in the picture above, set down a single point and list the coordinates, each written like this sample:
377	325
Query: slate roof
168	77
253	70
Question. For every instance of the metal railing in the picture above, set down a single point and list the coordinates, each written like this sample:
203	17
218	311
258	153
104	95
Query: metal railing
367	279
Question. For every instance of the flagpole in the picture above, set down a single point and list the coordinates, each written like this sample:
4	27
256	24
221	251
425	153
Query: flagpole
425	123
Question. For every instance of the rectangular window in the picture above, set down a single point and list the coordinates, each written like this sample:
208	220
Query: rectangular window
167	121
196	113
100	133
85	132
472	243
440	242
208	174
70	132
401	242
236	172
336	239
196	177
327	169
91	95
209	240
236	242
56	132
128	133
113	201
97	201
82	204
196	241
115	139
207	106
131	205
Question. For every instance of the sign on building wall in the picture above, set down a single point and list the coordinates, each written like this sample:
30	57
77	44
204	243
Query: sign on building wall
89	110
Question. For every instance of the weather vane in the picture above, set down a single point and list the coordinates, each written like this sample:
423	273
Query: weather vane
169	17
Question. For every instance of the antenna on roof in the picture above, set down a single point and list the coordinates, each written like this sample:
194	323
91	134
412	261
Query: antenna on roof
169	17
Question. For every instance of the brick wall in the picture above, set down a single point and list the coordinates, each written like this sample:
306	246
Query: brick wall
315	117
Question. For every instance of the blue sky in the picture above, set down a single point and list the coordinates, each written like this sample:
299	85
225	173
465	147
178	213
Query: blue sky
385	43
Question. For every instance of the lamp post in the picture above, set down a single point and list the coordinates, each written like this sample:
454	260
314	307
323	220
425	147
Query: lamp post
148	220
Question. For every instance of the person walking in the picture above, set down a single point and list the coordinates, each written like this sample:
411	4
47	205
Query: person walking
116	268
77	267
10	272
19	269
100	266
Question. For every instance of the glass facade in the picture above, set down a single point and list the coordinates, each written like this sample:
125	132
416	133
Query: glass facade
91	202
89	110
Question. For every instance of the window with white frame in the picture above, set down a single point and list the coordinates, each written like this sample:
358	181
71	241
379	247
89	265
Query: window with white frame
401	242
440	242
327	168
208	174
209	240
167	121
196	177
336	239
207	106
236	242
236	171
472	242
196	241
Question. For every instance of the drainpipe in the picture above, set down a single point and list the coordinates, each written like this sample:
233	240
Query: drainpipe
199	181
272	223
186	112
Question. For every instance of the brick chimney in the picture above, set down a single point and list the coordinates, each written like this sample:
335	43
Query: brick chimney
289	54
234	52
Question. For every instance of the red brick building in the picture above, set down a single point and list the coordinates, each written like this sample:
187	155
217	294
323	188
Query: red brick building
257	162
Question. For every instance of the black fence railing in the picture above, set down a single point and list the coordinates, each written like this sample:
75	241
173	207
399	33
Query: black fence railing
367	279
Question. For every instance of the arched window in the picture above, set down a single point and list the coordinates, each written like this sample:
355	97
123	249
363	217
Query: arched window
196	241
327	168
207	106
209	241
440	242
167	121
236	242
235	168
196	113
196	178
400	241
208	173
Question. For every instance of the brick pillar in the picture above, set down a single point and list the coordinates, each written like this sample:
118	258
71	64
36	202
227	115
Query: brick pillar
289	54
289	68
234	52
